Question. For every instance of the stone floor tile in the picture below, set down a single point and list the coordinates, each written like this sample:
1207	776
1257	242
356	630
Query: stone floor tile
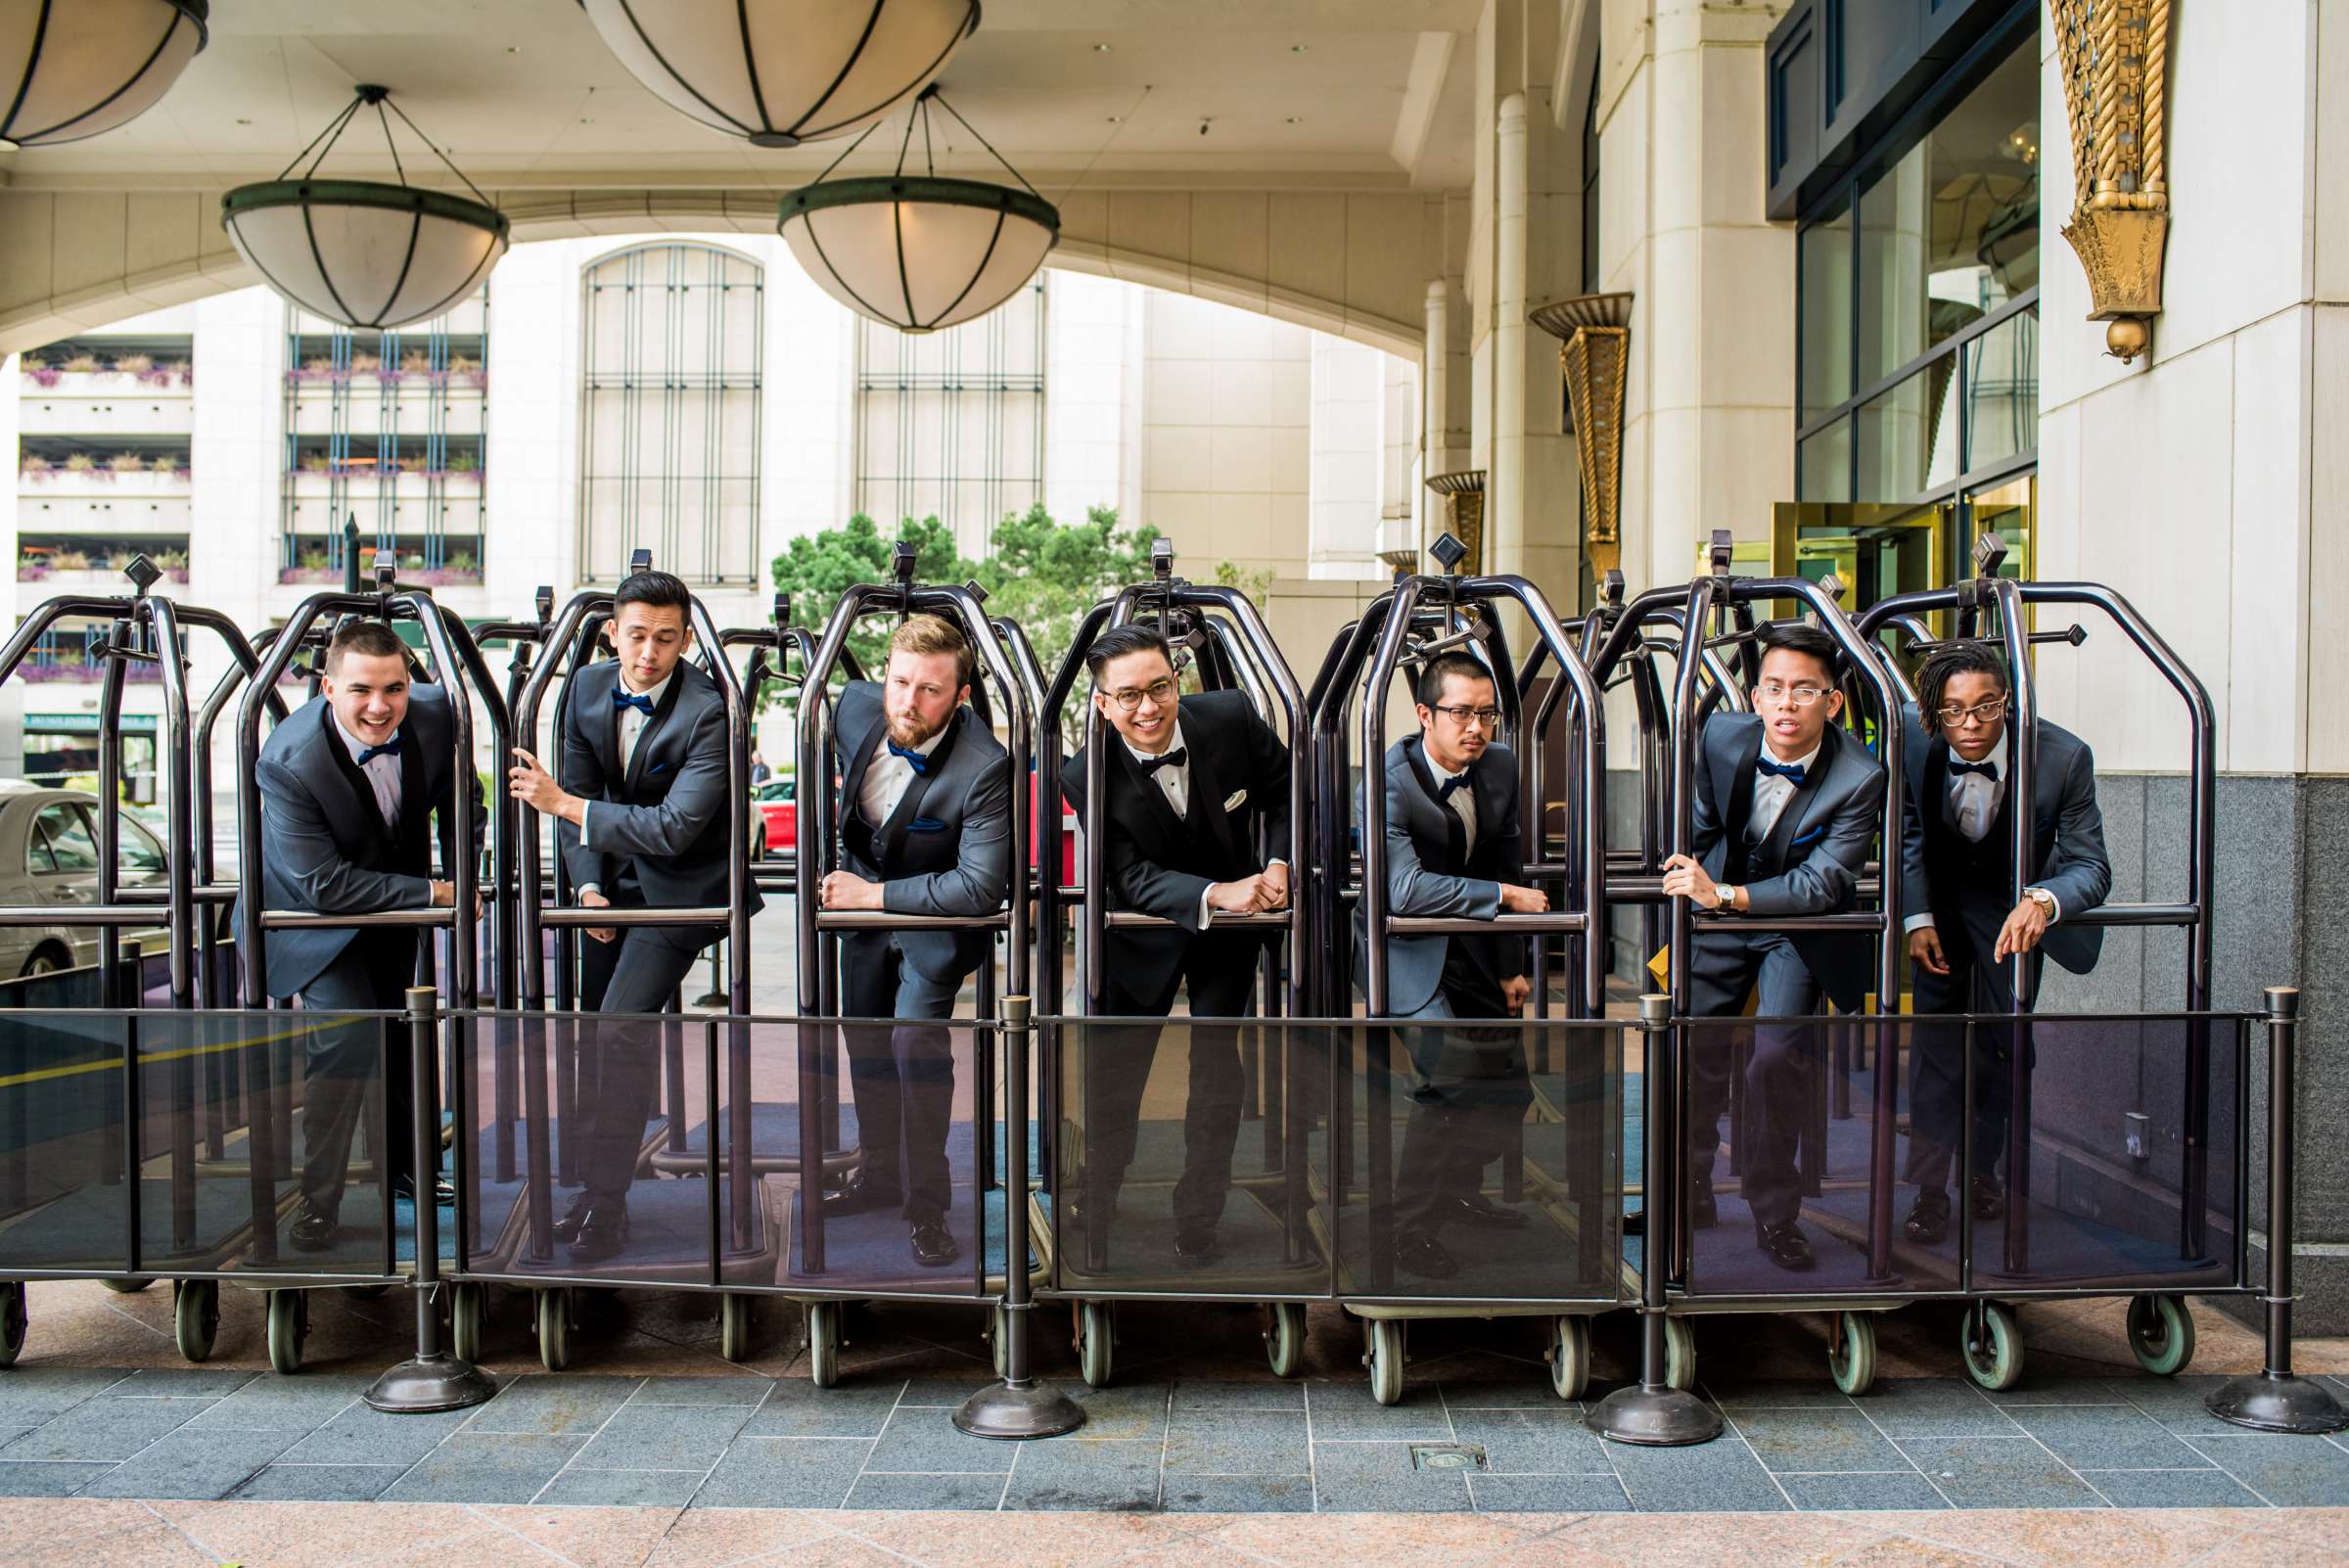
2210	1488
43	1391
925	1492
554	1405
191	1465
784	1474
1547	1494
1086	1473
491	1467
1817	1439
1254	1443
1541	1441
363	1436
2287	1471
944	1393
1933	1407
318	1483
1237	1394
258	1534
2177	1402
584	1537
1856	1491
101	1429
1502	1394
2102	1437
156	1546
1347	1412
1123	1410
706	1538
662	1437
2062	1391
1997	1473
182	1383
575	1488
1749	1540
50	1478
281	1404
2071	1538
796	1408
1230	1494
1712	1477
1346	1540
1010	1541
927	1442
1739	1395
1378	1478
704	1390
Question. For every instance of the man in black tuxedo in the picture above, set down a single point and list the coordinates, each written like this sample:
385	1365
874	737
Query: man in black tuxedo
925	829
1786	808
1187	781
350	783
1957	880
1455	849
642	820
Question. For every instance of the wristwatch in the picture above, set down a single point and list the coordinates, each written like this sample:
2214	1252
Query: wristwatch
2043	898
1729	897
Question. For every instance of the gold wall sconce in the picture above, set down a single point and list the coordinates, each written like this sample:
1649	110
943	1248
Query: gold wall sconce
1595	357
1463	495
2115	60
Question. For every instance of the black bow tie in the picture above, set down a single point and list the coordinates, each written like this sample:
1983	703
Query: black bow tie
1792	772
390	748
1444	790
913	759
1986	768
623	699
1174	759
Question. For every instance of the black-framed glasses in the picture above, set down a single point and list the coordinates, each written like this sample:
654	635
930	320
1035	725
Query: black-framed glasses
1130	697
1464	717
1988	712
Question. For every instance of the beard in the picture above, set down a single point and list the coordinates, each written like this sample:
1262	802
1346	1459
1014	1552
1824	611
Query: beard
909	731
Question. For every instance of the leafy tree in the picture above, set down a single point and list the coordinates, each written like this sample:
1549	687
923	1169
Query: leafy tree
1047	575
819	568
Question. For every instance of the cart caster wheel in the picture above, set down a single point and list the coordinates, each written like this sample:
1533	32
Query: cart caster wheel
288	1327
195	1318
468	1311
1679	1354
554	1328
1284	1338
364	1292
1994	1346
1386	1360
2161	1331
998	1341
13	1321
1097	1332
823	1342
1569	1355
734	1328
126	1287
1852	1351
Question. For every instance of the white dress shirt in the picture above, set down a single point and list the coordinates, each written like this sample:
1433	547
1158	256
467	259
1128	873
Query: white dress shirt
1972	806
1175	780
1462	800
382	773
1772	791
631	729
886	778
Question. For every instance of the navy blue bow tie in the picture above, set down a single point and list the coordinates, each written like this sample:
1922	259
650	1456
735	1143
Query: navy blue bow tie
622	698
913	759
1444	790
1986	768
390	748
1792	772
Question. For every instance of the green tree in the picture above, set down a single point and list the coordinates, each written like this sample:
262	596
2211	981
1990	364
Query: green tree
1047	575
819	568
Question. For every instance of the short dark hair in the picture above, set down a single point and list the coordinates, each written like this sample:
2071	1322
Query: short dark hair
372	639
1119	641
1944	664
658	590
1793	636
1431	678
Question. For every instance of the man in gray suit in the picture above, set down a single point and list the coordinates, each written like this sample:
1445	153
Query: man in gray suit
925	829
1958	883
1786	807
642	822
350	784
1455	849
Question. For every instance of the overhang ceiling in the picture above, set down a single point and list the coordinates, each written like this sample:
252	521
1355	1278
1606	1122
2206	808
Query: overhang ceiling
1355	93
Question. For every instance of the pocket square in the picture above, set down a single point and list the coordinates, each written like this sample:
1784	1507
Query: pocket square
657	767
1236	797
1812	837
925	824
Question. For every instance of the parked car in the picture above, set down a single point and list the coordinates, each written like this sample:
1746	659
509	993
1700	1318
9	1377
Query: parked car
49	855
778	815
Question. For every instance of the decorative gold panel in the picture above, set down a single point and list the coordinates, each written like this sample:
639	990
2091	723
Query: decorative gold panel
1594	355
1465	501
2115	60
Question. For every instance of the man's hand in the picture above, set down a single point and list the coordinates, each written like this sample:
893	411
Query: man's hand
590	899
845	889
1516	899
1275	879
1514	991
444	896
2023	928
1924	951
1684	878
536	788
1244	897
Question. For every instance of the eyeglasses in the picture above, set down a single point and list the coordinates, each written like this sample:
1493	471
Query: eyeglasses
1789	696
1988	712
1487	718
1129	699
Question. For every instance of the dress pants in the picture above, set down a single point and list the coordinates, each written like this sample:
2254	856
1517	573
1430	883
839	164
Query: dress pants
619	1054
1220	973
340	1065
1779	1079
903	1076
1468	1101
1937	1050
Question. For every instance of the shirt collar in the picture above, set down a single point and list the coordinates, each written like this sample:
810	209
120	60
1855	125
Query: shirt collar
925	748
1147	757
620	683
1997	767
1803	762
355	745
1443	774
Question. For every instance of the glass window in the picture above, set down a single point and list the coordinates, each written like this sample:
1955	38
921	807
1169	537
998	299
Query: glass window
142	853
2001	391
71	847
1825	465
1908	436
1826	312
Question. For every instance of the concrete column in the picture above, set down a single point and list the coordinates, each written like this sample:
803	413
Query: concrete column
1505	488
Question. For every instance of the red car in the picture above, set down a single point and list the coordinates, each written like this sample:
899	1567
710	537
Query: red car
779	817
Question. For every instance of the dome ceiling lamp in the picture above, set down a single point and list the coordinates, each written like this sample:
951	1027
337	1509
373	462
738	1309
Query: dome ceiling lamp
920	252
361	253
74	68
780	73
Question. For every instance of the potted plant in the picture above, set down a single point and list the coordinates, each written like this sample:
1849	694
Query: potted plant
173	564
127	463
80	463
33	466
32	565
415	362
316	463
183	370
82	364
138	365
39	371
70	561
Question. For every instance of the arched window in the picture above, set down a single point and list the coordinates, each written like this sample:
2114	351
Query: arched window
669	429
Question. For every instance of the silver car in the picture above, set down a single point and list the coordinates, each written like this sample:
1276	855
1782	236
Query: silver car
49	855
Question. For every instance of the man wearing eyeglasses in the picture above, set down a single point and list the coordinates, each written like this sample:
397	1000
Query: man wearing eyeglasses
1455	849
1786	807
1964	922
1187	781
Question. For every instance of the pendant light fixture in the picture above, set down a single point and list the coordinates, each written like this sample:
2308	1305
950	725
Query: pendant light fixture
919	252
359	252
71	69
780	73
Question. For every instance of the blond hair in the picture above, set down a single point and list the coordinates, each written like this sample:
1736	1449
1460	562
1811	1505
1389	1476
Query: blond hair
935	634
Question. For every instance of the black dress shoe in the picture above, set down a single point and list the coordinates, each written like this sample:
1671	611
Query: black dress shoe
310	1231
1928	1221
1703	1213
856	1195
445	1191
1478	1210
1786	1246
1425	1256
567	1229
933	1246
1989	1198
1196	1245
602	1232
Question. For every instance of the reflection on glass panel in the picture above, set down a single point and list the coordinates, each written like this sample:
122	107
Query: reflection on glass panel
1951	232
2001	391
1827	313
1878	551
1908	436
2012	511
1825	464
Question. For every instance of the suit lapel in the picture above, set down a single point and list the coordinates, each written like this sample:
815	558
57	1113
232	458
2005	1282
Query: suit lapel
1455	831
370	816
1207	789
600	723
1794	821
1153	799
892	836
651	726
1741	791
851	785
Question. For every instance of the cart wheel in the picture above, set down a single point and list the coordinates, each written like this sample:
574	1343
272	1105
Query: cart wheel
734	1327
1679	1354
1852	1351
999	1340
467	1309
126	1287
1096	1331
554	1328
195	1318
12	1321
823	1342
1994	1346
289	1326
1284	1338
365	1292
1386	1360
2161	1330
1569	1355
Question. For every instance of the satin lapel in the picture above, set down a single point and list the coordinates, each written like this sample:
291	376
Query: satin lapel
1809	796
1153	800
592	711
415	795
1488	779
362	794
1740	792
1455	831
852	783
651	726
892	836
1934	789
